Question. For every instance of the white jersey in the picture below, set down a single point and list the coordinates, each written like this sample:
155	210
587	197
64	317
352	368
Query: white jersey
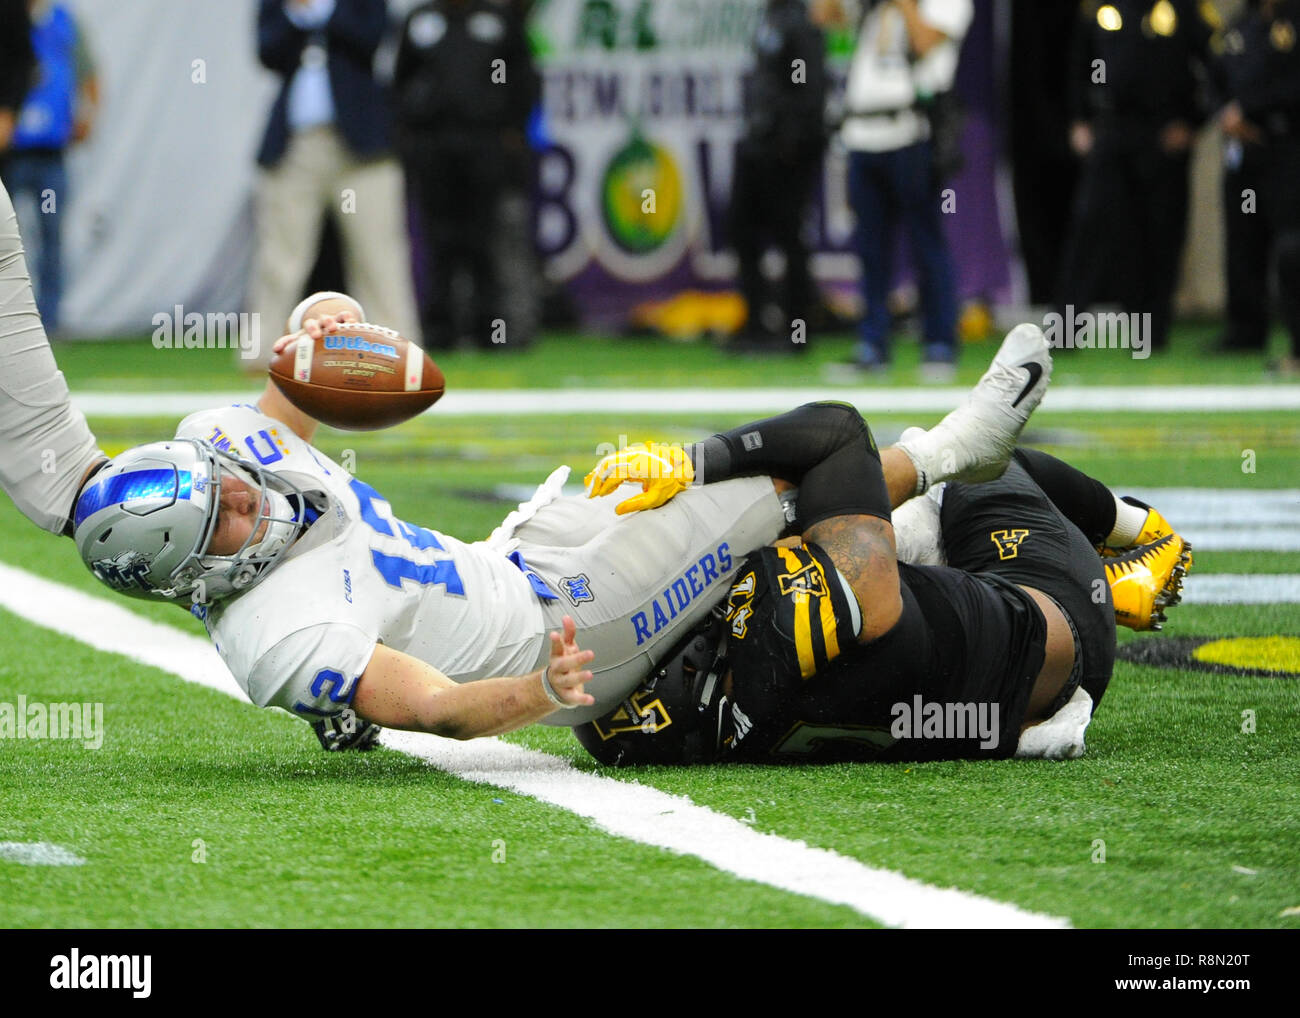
358	576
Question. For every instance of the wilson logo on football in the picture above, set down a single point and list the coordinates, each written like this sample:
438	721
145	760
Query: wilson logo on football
360	345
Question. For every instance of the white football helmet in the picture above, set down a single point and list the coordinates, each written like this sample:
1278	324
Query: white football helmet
143	523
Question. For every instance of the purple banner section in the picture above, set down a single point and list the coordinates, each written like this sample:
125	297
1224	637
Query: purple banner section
635	180
979	249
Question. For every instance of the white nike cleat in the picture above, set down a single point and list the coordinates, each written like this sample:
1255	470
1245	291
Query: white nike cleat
974	443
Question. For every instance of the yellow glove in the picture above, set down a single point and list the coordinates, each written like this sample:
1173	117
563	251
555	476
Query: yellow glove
662	471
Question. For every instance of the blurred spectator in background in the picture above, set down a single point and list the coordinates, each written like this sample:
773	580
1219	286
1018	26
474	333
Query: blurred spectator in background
518	269
16	64
777	161
906	55
327	147
1261	75
57	111
465	87
1044	170
1138	92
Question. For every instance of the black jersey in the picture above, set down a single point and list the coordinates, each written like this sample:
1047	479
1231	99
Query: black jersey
951	679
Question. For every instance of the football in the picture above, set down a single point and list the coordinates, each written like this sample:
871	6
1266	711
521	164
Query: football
359	377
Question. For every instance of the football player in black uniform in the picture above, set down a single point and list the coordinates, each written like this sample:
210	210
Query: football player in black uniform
830	649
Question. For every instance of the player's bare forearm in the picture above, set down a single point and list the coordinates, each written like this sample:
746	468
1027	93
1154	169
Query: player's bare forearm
900	476
476	709
400	691
863	549
276	405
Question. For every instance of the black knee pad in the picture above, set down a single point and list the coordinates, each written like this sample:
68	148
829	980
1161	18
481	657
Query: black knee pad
825	448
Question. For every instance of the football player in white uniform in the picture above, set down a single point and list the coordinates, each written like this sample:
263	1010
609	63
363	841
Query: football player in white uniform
319	599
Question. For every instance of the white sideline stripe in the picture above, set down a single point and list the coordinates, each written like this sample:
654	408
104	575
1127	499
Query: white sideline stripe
1240	538
641	813
921	400
625	809
1235	588
38	853
1230	520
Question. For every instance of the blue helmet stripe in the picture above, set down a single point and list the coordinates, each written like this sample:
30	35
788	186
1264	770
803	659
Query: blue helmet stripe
138	484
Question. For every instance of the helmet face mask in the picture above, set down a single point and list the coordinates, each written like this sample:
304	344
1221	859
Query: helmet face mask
678	715
144	523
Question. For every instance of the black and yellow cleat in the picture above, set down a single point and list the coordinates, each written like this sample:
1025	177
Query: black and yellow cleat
1147	579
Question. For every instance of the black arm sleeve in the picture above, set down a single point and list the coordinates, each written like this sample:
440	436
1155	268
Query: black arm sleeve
825	448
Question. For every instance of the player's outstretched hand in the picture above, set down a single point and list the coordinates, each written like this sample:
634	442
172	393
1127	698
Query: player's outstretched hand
567	671
315	328
662	470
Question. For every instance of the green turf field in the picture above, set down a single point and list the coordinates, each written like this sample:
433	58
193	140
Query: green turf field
1176	817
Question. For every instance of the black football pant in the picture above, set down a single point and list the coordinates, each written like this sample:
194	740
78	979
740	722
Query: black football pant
1129	225
457	183
1282	207
769	199
1009	527
1248	242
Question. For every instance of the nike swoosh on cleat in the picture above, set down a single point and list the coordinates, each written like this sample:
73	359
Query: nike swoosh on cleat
1035	373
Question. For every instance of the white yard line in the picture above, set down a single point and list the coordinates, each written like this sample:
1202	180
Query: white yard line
567	402
1233	519
626	809
1233	588
38	853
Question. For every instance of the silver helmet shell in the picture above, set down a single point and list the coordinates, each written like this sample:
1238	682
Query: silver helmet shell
144	522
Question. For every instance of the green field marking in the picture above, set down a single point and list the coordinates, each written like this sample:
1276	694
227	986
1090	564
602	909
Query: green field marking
1258	562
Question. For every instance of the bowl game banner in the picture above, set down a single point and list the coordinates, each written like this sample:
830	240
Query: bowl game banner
642	108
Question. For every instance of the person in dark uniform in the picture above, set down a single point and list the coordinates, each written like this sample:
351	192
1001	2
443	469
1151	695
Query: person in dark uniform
776	165
1248	248
1044	170
1260	72
973	632
822	636
464	86
1138	80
